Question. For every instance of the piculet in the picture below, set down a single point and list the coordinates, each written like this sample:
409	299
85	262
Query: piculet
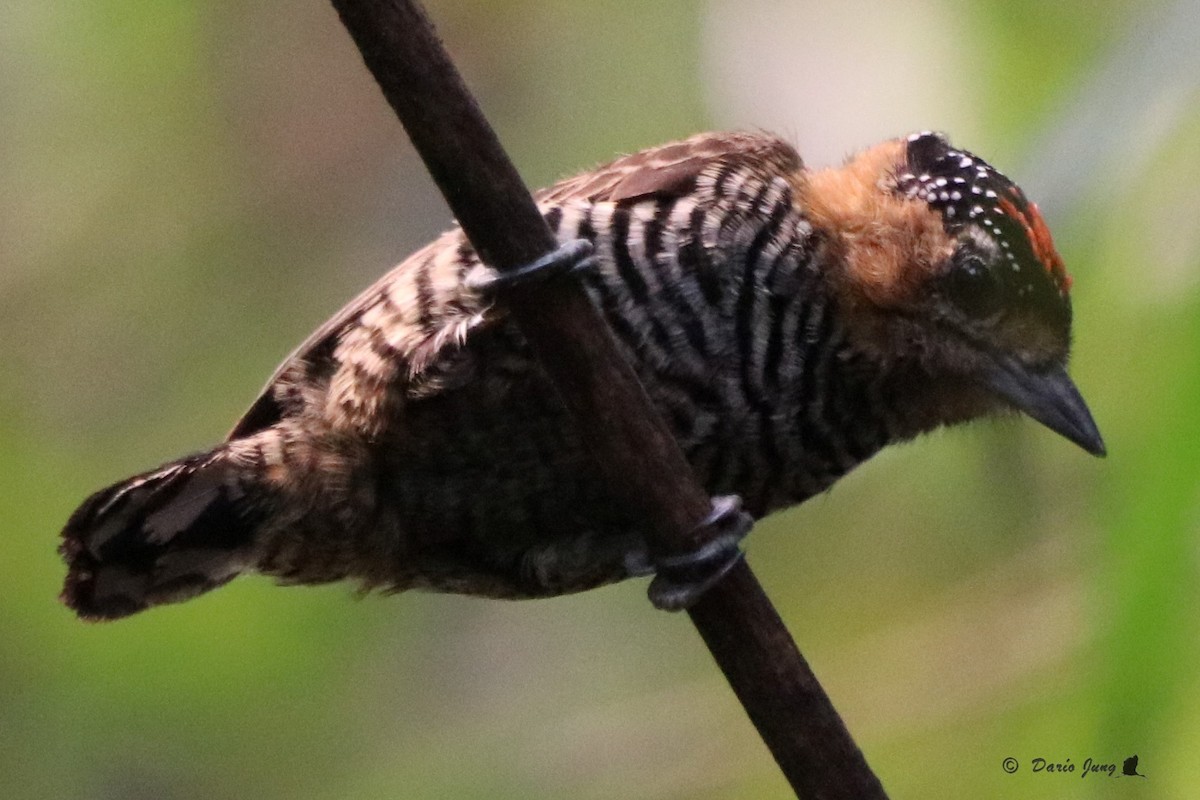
787	323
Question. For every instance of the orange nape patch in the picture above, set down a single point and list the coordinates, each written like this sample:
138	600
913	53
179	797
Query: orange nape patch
890	245
1039	238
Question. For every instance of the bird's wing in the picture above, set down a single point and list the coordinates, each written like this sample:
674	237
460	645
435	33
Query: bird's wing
381	340
380	345
268	408
673	170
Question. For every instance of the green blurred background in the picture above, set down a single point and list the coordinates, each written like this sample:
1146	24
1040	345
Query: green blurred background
186	189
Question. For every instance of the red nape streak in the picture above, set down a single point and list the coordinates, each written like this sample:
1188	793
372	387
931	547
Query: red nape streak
1040	240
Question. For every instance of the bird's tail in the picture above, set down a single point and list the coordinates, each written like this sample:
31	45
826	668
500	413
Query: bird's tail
160	537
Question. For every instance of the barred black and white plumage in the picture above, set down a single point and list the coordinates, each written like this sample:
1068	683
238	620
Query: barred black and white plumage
788	324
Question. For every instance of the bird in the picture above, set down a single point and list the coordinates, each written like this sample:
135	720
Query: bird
787	322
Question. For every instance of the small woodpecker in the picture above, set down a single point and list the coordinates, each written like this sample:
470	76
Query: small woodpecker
787	323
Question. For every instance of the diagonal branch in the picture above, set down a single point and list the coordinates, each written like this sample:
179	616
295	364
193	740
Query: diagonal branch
632	446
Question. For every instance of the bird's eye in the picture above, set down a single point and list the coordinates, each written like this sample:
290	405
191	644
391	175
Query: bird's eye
974	288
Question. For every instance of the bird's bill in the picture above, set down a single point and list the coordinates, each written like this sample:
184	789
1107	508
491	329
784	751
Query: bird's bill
1050	397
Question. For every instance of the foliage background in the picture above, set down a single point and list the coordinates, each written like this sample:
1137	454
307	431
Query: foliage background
189	188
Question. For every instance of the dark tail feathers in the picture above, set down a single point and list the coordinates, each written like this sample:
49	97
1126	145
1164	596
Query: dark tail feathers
161	537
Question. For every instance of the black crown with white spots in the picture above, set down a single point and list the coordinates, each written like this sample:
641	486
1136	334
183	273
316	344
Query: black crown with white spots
1005	259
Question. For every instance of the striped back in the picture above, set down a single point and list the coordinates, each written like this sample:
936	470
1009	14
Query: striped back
718	297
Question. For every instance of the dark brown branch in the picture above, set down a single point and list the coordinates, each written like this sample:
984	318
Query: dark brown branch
630	443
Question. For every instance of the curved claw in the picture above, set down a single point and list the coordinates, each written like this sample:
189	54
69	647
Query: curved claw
574	256
682	579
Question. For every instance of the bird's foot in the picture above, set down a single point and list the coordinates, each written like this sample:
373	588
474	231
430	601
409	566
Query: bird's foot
682	579
572	257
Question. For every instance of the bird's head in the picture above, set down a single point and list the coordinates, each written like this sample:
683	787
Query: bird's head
949	273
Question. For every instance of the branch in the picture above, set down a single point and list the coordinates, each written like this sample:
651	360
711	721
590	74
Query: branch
635	451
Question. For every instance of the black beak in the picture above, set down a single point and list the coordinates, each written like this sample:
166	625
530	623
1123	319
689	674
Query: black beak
1049	396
